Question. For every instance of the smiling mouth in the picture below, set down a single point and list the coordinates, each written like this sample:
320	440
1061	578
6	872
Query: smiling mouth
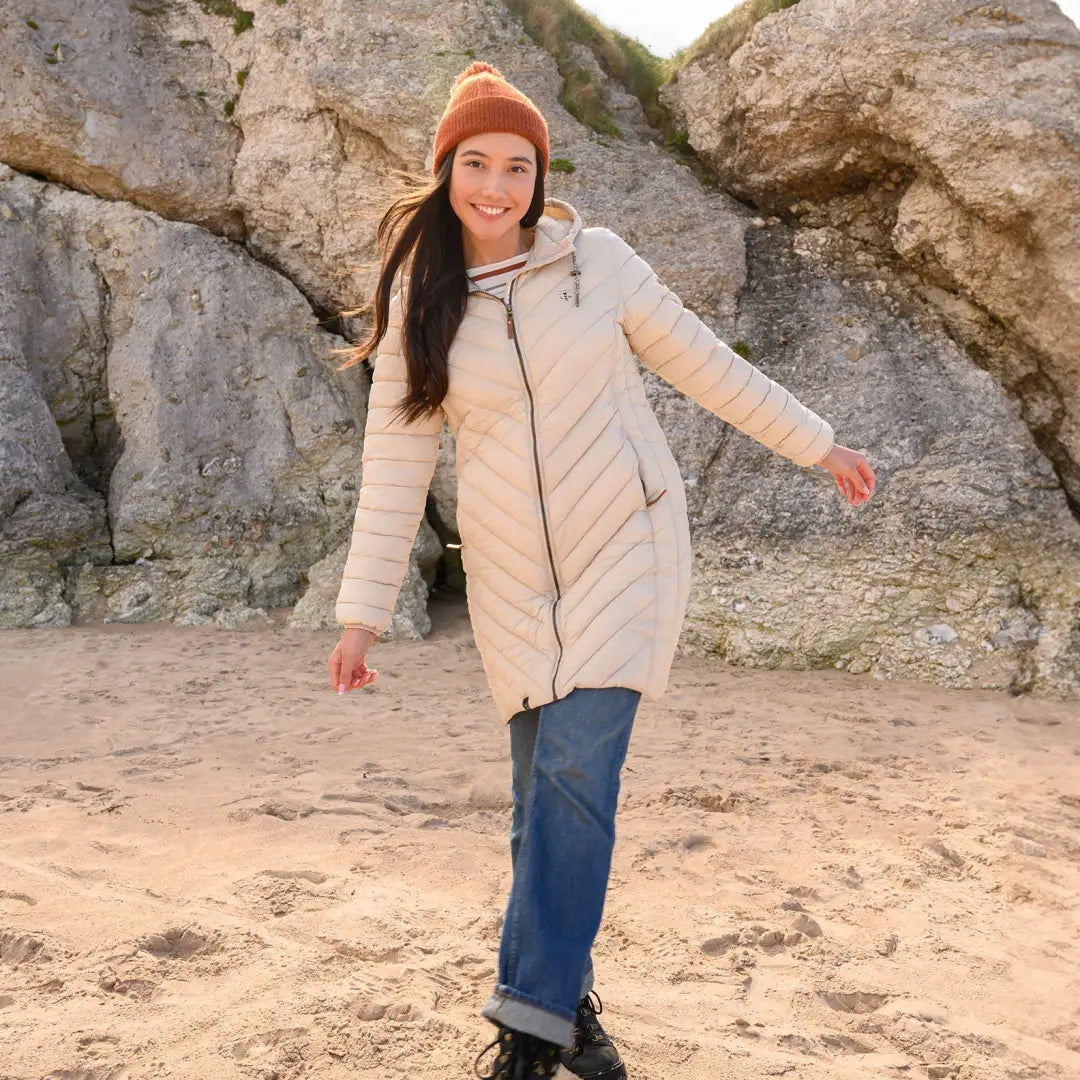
488	213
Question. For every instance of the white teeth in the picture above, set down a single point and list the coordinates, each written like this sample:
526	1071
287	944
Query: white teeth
491	211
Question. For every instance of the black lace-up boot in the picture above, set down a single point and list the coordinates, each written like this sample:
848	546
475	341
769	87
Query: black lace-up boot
521	1057
592	1054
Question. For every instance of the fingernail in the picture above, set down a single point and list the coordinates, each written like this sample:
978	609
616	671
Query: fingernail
341	689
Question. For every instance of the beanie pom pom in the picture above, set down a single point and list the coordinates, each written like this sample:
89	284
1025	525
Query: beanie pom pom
475	68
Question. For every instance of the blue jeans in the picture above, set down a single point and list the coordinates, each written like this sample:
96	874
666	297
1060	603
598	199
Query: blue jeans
566	758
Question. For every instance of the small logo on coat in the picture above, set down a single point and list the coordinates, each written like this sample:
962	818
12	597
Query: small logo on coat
564	293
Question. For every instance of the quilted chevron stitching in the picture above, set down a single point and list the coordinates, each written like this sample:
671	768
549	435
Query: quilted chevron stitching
538	340
554	484
502	657
607	679
700	330
497	538
485	608
566	403
629	585
522	297
820	429
631	550
609	637
596	520
502	477
596	471
495	574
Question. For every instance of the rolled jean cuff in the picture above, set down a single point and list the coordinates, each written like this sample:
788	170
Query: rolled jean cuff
520	1012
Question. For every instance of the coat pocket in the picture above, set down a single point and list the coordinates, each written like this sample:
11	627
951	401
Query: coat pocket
653	497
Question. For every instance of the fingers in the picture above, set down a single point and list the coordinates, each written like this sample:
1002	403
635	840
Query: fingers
866	474
335	668
361	676
859	490
362	680
855	491
346	678
859	480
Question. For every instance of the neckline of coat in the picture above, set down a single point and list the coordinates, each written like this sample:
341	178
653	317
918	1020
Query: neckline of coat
554	234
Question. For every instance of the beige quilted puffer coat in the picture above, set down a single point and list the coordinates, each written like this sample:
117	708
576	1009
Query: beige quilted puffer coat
571	507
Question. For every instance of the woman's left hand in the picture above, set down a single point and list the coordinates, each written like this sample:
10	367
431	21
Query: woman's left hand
852	473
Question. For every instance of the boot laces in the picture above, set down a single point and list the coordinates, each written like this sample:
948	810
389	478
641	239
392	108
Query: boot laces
521	1057
587	1014
587	1029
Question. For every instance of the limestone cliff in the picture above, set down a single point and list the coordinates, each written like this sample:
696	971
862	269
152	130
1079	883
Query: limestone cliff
187	199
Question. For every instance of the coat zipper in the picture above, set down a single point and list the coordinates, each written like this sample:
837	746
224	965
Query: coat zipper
511	333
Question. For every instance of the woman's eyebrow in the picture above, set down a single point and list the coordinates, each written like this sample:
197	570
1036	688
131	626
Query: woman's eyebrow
480	153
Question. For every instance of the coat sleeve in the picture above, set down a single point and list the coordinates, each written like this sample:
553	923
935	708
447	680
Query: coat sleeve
672	341
398	462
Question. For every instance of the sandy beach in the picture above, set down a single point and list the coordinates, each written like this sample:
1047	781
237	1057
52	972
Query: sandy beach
211	865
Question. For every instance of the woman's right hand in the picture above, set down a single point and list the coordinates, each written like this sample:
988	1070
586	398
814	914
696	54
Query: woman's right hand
347	668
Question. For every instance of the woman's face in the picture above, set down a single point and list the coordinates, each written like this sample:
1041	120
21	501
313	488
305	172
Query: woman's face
495	170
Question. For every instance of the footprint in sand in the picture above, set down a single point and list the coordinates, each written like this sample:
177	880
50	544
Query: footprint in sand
179	943
278	1045
859	1001
275	893
92	798
21	897
851	717
701	798
923	1030
769	939
91	1072
696	842
285	810
374	1009
18	947
133	989
845	1043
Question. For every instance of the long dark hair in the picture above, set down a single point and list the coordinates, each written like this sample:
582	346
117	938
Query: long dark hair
422	227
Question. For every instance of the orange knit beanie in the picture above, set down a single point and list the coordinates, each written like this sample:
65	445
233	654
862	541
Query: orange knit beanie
482	100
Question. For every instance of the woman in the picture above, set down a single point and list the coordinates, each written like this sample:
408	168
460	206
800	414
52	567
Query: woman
519	327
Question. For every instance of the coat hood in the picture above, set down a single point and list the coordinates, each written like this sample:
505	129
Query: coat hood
555	233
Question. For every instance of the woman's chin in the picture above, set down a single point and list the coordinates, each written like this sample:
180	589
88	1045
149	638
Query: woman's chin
492	226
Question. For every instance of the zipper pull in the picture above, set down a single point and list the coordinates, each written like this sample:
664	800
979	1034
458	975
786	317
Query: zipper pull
509	324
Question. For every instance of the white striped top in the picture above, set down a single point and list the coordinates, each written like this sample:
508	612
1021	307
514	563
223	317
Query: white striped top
496	277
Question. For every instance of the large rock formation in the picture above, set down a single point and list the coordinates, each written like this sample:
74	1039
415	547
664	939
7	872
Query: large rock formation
177	443
186	377
117	101
279	136
932	144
